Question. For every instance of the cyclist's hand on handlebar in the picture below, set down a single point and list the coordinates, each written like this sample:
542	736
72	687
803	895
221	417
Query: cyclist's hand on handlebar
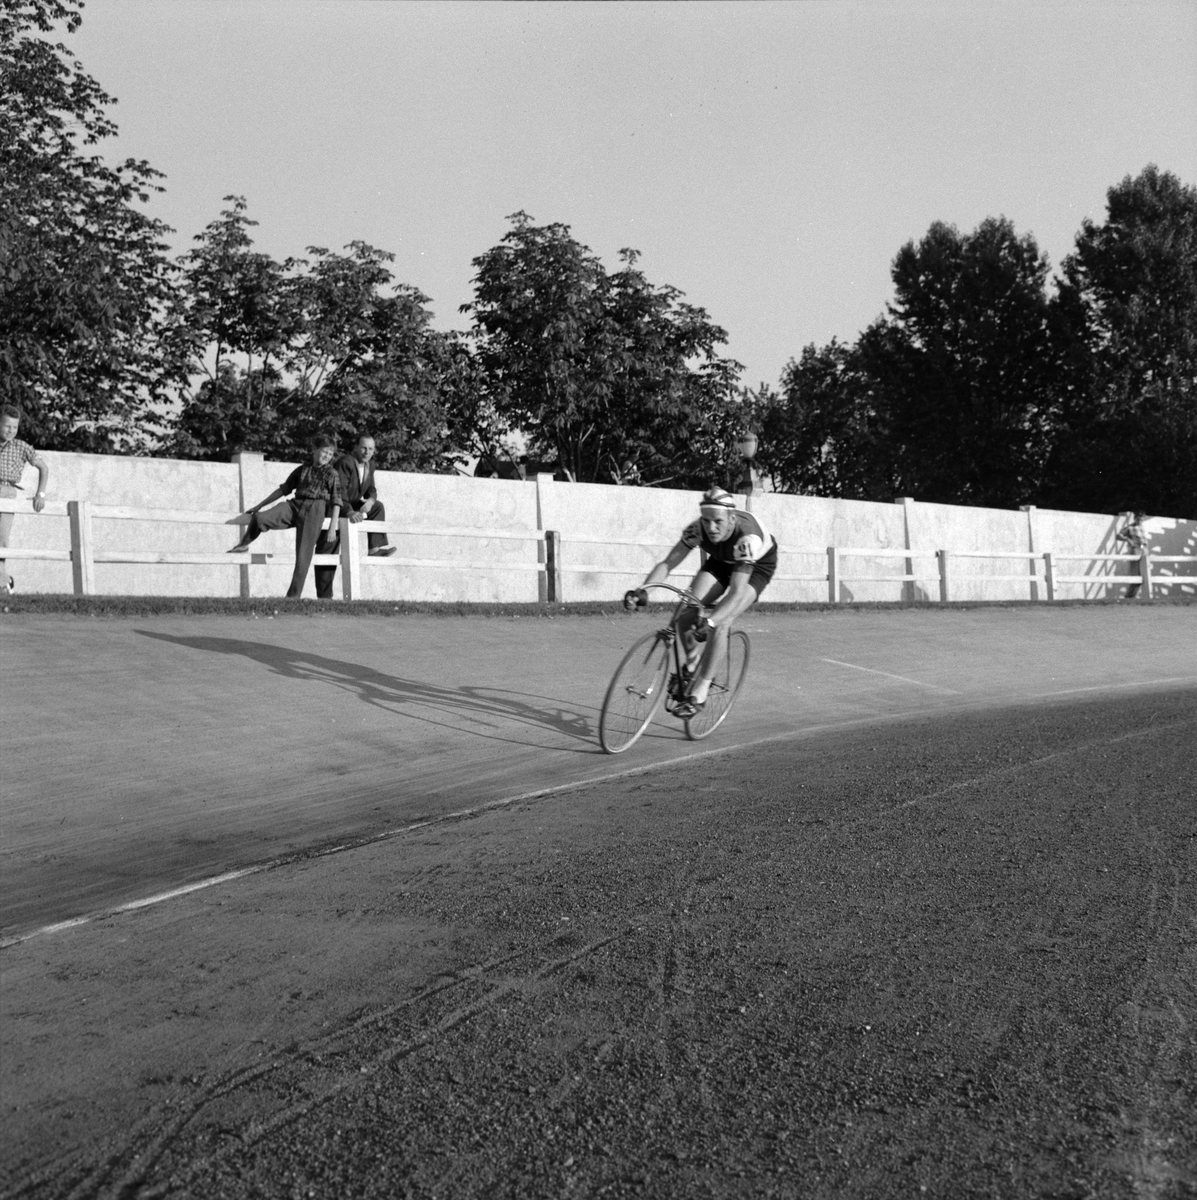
634	599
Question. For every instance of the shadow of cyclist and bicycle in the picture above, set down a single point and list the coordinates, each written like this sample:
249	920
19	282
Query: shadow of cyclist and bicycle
484	711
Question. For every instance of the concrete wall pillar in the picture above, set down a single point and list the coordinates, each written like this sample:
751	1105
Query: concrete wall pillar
907	503
549	577
251	469
1032	546
544	501
251	487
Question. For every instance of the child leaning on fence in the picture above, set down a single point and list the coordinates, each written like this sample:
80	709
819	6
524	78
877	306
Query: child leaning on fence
317	493
15	455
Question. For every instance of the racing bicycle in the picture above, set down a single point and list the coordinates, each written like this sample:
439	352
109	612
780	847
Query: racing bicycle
654	671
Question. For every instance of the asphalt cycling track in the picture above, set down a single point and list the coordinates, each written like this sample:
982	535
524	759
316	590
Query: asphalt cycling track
355	907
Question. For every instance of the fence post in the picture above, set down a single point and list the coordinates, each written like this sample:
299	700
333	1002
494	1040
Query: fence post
552	567
833	575
351	560
1145	571
1049	575
83	566
944	577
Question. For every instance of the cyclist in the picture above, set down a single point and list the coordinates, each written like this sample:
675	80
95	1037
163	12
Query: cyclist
741	557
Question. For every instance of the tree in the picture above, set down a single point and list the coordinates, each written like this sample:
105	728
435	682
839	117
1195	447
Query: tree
365	356
281	351
1127	310
84	279
948	397
964	366
823	434
233	319
612	377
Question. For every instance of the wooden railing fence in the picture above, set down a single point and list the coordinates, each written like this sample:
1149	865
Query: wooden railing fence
549	561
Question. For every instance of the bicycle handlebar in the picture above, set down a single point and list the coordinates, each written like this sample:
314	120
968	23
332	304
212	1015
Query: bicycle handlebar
687	597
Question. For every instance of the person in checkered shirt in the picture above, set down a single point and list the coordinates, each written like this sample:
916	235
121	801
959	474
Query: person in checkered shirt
15	456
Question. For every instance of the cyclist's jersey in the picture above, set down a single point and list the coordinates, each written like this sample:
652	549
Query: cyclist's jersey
748	544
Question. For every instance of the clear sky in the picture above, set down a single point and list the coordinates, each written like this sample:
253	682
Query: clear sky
769	159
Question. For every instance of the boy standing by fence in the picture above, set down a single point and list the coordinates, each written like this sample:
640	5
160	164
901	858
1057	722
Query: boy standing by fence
1136	542
317	489
14	456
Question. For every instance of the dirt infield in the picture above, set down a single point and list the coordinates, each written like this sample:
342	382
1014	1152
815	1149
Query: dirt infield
922	928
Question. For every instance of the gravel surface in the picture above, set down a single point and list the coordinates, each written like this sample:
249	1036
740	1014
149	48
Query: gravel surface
954	956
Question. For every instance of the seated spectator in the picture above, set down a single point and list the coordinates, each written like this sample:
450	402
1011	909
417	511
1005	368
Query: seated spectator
15	455
317	491
360	497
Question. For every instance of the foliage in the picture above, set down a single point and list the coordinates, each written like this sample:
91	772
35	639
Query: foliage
964	365
1128	307
84	280
822	434
614	378
949	397
232	322
976	386
281	351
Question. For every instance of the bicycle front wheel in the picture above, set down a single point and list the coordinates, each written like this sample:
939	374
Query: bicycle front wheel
724	688
635	693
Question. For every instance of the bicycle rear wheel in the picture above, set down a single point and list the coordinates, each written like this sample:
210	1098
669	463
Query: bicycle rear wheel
724	688
635	693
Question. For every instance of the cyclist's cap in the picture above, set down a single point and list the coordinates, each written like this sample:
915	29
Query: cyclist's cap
716	498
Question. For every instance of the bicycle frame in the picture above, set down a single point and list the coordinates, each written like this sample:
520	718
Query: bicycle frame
673	636
643	681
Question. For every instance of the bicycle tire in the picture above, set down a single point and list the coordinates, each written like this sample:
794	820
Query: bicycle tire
725	687
634	693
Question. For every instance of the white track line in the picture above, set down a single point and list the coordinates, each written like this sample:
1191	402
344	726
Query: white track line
903	678
478	809
1109	687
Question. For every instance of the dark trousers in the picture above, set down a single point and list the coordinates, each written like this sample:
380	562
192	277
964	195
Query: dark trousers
1136	569
306	517
326	575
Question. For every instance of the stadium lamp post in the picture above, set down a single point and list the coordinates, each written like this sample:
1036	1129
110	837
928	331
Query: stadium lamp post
746	445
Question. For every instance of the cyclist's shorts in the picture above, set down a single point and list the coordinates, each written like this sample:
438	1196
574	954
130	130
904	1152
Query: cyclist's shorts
762	570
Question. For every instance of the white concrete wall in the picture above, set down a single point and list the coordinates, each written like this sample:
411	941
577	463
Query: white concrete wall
805	526
596	523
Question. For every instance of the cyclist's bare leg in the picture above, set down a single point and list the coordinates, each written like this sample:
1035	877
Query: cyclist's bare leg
708	589
738	599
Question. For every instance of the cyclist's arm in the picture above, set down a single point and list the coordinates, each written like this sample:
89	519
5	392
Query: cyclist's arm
670	562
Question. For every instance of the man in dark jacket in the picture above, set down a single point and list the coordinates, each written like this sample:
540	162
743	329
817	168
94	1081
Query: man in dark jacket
360	496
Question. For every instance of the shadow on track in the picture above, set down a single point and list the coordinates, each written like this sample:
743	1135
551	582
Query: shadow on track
399	695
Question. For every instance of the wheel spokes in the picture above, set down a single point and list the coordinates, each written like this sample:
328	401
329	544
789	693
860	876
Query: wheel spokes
634	694
724	688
